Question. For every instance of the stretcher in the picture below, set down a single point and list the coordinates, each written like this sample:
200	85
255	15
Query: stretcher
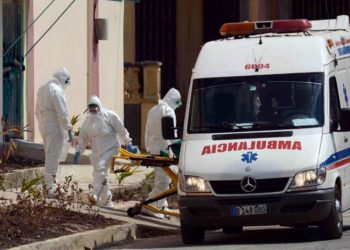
148	161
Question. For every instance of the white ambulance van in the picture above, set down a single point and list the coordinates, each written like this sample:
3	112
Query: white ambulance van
266	137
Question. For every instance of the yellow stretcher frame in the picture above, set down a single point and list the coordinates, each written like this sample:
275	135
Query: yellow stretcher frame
148	161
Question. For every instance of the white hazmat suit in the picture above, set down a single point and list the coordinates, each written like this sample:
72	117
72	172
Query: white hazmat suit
155	143
106	132
54	122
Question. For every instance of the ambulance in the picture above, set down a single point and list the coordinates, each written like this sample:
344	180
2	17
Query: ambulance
266	136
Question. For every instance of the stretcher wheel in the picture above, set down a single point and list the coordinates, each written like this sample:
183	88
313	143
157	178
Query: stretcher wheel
132	211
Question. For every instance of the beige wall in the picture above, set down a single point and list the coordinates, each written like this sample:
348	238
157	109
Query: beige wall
111	57
66	44
25	82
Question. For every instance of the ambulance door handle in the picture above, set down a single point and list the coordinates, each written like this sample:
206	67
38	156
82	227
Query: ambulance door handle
346	139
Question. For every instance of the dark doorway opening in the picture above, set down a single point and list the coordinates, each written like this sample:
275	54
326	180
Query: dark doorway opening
320	9
215	14
12	66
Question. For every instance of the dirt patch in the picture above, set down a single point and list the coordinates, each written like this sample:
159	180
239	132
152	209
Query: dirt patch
17	163
23	225
31	217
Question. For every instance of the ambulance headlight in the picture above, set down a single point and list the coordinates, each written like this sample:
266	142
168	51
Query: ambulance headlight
193	184
308	178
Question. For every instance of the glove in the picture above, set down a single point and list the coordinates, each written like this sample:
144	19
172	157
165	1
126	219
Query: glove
131	148
76	157
164	153
70	136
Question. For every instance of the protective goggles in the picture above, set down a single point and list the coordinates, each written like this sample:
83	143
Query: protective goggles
93	108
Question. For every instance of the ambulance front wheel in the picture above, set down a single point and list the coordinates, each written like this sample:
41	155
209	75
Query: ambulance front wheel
191	235
332	226
132	211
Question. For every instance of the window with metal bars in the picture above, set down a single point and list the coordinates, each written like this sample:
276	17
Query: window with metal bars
156	37
320	9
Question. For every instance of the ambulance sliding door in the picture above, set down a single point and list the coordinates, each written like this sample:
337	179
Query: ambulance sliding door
341	136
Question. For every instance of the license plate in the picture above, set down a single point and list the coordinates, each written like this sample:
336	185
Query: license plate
249	210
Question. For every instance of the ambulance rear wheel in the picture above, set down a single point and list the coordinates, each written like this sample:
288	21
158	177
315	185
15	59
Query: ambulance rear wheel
332	226
232	230
192	235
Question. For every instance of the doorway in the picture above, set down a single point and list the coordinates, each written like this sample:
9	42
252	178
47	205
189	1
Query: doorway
12	65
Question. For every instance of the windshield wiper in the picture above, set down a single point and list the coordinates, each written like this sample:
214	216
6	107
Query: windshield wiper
207	129
233	125
266	124
223	127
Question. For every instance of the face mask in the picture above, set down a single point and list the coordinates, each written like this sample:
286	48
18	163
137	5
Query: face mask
66	83
178	103
96	114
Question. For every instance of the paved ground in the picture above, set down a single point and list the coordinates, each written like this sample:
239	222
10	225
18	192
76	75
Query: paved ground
83	175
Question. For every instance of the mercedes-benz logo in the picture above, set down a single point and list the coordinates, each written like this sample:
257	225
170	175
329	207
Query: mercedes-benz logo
248	184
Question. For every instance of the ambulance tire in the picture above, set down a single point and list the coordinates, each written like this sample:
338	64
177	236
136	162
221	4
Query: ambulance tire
332	226
232	230
191	235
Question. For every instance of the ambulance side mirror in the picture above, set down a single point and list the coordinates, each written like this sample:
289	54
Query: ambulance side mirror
334	125
345	120
343	124
170	132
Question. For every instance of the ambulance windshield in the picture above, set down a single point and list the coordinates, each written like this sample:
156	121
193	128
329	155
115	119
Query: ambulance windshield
267	102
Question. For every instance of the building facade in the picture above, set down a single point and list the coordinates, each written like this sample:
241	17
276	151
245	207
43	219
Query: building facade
171	32
61	33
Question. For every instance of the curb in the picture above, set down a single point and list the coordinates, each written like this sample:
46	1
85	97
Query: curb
30	150
122	188
14	179
86	240
36	151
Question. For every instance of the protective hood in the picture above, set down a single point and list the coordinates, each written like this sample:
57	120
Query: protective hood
62	75
173	98
95	100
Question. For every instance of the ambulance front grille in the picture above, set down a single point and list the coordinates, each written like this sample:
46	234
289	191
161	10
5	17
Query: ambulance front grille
262	186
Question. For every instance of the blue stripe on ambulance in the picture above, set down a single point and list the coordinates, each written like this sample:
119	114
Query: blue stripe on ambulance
344	50
336	157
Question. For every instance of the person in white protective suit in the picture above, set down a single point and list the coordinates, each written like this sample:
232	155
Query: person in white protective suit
106	132
155	143
54	122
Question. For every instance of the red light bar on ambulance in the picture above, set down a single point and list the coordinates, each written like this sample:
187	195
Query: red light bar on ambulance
261	27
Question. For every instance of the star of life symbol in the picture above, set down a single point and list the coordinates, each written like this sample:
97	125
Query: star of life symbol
345	95
249	157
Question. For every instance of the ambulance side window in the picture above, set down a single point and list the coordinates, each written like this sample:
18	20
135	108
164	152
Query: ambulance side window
334	103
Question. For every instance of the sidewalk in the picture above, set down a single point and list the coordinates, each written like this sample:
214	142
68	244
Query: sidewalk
82	174
133	225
